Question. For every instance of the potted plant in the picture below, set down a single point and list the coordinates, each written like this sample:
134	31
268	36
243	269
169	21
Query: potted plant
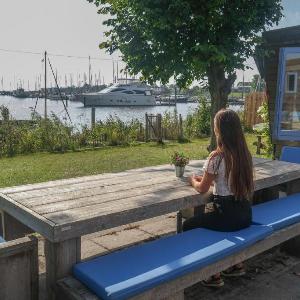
179	160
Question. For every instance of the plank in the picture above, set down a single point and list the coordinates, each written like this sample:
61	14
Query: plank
106	199
13	228
102	182
19	269
85	179
27	217
70	225
83	186
124	204
101	190
60	258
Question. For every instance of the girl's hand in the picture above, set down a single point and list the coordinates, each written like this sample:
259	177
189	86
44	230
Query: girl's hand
194	179
198	178
191	179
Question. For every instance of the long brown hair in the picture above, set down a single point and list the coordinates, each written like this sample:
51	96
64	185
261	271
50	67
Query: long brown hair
231	144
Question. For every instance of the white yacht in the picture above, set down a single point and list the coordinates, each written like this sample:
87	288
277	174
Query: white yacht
120	94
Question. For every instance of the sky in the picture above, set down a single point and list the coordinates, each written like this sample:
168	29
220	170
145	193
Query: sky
70	28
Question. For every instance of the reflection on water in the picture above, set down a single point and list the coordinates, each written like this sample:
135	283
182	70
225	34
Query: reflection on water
21	110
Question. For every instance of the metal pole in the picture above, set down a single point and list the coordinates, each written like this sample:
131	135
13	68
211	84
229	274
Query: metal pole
243	85
113	72
45	58
117	72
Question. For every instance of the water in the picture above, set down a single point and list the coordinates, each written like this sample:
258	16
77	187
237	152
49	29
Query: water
21	109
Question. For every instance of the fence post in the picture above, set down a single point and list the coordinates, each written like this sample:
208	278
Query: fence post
159	129
146	128
93	118
180	128
140	138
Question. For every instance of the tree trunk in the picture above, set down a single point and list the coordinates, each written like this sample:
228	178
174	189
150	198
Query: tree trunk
219	88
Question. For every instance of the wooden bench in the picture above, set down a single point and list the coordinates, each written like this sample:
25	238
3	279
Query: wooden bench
19	269
205	259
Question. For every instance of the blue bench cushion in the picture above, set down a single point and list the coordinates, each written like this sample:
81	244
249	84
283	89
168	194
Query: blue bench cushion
290	154
250	235
131	271
278	213
1	240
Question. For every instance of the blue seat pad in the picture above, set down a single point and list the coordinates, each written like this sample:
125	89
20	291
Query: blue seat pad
1	240
126	273
290	154
278	213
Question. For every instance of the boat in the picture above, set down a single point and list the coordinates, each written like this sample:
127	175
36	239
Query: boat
20	93
129	93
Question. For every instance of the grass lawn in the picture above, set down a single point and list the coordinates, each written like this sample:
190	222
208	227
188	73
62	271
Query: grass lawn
41	167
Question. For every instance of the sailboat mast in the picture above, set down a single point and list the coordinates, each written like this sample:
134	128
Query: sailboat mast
90	71
45	58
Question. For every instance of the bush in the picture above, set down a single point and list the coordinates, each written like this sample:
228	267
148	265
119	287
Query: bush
197	124
265	130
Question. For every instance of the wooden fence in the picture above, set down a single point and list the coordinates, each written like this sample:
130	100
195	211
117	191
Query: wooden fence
252	103
155	130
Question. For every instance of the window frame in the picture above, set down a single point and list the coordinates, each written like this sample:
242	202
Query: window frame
278	133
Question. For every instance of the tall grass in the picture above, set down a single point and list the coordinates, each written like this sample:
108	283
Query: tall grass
54	135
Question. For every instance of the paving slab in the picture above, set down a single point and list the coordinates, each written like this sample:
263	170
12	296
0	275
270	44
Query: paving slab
271	275
122	239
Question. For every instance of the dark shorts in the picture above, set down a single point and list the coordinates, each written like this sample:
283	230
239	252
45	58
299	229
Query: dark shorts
224	213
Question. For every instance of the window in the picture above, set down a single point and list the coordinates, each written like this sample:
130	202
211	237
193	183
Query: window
287	112
291	82
117	90
139	92
127	92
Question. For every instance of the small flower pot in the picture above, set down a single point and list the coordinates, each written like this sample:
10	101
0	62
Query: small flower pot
179	171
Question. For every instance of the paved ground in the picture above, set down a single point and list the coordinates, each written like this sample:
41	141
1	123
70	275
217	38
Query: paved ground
272	275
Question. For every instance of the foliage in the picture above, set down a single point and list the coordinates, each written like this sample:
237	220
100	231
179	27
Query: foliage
188	40
197	123
170	124
265	130
184	38
179	159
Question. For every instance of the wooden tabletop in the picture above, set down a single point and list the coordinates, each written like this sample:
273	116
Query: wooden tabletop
69	208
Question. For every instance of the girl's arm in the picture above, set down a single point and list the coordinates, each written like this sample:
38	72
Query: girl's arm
203	185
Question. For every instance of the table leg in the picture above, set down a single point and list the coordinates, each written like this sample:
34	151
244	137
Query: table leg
293	246
266	195
12	228
2	227
179	222
60	257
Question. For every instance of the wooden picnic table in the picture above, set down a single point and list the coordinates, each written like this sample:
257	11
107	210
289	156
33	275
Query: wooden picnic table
64	210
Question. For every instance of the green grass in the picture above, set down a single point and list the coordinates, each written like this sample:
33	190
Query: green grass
41	167
237	95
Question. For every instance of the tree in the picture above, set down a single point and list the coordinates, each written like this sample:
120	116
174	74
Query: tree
188	39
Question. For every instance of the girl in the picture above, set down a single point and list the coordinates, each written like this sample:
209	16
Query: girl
230	168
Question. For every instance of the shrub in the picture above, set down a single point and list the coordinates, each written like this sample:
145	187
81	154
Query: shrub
197	123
